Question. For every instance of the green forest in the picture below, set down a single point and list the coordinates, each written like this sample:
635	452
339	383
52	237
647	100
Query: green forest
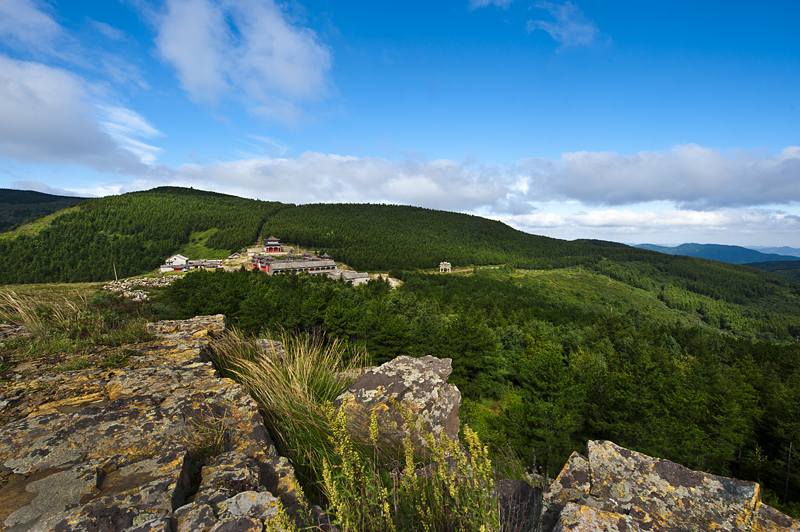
133	233
553	342
20	206
547	360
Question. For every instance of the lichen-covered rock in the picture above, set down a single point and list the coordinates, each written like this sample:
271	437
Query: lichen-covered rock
614	488
250	504
576	518
115	448
768	519
418	384
572	484
272	348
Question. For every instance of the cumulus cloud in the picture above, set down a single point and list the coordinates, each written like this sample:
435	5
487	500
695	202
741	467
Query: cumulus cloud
570	28
741	224
46	115
243	45
315	177
537	195
694	177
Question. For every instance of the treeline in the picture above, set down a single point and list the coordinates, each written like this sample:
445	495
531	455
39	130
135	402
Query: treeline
542	372
20	206
134	232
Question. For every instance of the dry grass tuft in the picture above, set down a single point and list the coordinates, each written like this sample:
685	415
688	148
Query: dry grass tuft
293	389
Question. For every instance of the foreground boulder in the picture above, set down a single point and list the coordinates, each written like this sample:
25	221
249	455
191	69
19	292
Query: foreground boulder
419	385
161	443
613	488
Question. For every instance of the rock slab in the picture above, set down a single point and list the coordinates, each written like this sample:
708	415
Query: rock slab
161	444
418	384
613	488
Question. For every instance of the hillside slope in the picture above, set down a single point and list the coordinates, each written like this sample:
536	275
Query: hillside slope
789	269
134	232
19	206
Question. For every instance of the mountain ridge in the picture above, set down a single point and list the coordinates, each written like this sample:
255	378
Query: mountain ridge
719	252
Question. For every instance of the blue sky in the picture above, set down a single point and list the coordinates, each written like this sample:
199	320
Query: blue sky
632	121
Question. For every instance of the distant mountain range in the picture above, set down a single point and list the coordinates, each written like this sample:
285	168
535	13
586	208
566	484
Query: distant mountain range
732	254
783	250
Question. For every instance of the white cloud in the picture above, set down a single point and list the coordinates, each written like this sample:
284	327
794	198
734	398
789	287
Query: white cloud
695	178
115	34
46	116
692	176
24	25
38	186
536	195
315	177
126	127
571	27
733	226
243	45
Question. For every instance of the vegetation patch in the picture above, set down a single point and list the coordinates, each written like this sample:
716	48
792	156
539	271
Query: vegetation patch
72	323
37	225
435	486
197	247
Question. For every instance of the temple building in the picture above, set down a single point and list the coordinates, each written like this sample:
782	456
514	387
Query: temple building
273	245
312	265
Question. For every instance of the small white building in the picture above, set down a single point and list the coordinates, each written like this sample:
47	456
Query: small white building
176	260
445	267
355	278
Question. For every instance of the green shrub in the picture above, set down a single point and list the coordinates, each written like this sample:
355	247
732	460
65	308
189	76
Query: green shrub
440	486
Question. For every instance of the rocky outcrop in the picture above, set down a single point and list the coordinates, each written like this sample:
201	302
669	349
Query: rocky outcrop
133	287
417	384
613	488
162	443
9	330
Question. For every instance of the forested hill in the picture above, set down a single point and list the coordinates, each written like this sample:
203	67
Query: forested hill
20	206
135	232
789	269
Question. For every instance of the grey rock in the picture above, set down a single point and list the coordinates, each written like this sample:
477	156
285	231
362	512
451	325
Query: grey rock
613	488
419	385
259	505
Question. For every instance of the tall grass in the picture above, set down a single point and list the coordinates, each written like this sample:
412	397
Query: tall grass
292	390
64	323
436	485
